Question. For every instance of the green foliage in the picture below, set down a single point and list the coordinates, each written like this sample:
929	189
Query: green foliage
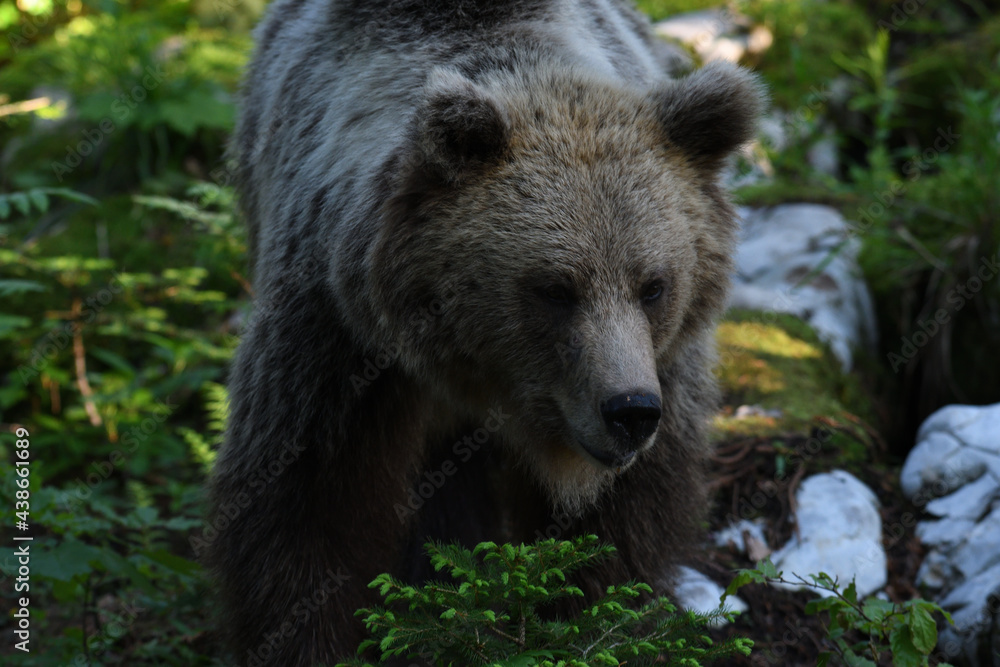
203	449
113	559
144	85
37	199
121	286
115	323
805	75
491	614
807	37
861	631
878	98
930	241
112	367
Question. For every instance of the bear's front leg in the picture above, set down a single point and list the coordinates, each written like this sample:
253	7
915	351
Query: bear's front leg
305	485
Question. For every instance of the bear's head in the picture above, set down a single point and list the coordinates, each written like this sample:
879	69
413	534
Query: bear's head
553	244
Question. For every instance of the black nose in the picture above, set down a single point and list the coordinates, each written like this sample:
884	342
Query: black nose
632	418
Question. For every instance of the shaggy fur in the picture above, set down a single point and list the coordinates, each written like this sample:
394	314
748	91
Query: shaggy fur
473	224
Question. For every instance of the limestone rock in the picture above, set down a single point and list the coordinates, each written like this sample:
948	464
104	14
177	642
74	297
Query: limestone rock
839	533
801	259
954	474
696	592
716	34
739	534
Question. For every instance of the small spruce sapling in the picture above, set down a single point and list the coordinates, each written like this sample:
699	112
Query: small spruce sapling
489	614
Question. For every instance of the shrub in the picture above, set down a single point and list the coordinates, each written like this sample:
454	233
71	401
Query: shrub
493	613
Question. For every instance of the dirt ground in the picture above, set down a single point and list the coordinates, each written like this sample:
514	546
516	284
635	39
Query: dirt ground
745	472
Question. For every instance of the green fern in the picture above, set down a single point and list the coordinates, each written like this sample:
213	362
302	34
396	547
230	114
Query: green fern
37	199
203	449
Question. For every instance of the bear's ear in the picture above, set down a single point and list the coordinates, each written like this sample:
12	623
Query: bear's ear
458	127
711	112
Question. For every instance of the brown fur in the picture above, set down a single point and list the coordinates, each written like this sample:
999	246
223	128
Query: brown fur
419	213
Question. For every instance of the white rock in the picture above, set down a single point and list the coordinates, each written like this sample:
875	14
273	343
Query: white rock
974	425
775	235
746	411
936	570
969	502
733	534
944	532
968	601
701	27
716	34
958	452
823	156
839	533
778	261
696	592
724	48
771	129
955	445
924	462
981	549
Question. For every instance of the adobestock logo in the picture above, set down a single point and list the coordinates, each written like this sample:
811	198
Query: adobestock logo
914	168
957	297
431	481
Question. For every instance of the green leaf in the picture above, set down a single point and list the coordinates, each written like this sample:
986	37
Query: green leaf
923	630
182	523
483	546
145	516
67	592
9	323
15	286
173	562
851	593
854	660
767	569
112	359
39	199
66	561
192	110
904	653
823	604
742	578
21	202
96	106
73	195
527	658
877	609
824	580
118	564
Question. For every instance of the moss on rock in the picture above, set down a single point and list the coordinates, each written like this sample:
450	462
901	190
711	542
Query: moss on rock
777	362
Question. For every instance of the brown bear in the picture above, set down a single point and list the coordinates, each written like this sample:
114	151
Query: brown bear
489	244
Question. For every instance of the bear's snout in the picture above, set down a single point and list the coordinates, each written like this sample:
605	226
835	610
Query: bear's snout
631	418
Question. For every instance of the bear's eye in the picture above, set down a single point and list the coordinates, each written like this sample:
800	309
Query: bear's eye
558	294
652	291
